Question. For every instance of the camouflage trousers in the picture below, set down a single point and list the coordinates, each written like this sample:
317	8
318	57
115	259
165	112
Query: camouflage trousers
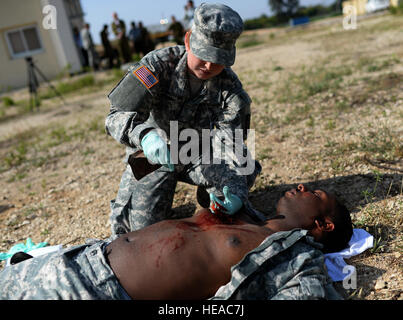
149	200
77	273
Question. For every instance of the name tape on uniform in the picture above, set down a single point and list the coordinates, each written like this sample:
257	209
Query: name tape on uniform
145	76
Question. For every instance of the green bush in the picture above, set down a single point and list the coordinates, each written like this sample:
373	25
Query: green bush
397	10
317	10
282	20
7	101
86	81
70	86
264	22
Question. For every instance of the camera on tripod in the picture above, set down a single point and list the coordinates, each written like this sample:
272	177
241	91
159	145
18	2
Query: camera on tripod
33	84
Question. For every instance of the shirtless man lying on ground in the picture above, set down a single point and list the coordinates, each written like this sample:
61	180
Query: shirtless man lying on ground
187	258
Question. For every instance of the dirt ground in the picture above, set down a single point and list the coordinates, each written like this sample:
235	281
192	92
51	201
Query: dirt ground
327	112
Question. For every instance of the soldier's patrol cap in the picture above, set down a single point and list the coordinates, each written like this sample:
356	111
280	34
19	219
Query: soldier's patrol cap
214	32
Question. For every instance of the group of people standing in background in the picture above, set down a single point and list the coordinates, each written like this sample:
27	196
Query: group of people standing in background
136	40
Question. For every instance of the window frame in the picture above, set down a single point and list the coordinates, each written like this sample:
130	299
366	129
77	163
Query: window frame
27	52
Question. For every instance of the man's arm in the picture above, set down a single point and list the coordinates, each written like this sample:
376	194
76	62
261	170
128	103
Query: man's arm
286	265
305	277
309	281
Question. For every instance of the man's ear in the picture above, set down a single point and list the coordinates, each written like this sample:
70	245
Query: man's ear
325	224
187	37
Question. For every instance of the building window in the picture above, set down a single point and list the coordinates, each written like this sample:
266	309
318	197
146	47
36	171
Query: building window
23	42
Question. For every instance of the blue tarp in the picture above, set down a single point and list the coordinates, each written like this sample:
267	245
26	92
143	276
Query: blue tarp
297	21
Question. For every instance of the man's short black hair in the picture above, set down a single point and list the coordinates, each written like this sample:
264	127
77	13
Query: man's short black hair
338	239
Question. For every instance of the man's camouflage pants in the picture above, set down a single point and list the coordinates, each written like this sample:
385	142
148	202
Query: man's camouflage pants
76	273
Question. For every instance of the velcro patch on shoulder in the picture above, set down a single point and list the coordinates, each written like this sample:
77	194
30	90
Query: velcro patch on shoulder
145	76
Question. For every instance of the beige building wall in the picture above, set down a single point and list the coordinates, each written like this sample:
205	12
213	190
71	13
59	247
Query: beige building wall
62	38
395	3
358	4
51	60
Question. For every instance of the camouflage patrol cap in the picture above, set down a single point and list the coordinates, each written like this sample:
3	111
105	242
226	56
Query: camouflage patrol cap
214	32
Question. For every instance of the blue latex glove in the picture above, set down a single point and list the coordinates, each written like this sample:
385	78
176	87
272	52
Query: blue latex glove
156	150
231	203
28	246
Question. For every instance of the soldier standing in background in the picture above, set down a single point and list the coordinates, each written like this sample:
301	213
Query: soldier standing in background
119	29
177	31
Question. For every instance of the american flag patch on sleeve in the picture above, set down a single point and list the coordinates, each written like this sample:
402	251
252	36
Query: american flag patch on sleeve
145	76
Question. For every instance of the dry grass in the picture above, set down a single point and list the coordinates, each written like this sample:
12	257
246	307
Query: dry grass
327	110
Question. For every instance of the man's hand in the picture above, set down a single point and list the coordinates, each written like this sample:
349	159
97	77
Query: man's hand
156	150
231	203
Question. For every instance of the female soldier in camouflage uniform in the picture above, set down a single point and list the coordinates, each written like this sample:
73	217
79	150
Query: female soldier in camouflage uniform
183	87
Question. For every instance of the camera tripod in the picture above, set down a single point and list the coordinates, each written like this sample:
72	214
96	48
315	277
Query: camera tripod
33	84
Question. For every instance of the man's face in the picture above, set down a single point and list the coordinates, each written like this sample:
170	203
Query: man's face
302	206
203	70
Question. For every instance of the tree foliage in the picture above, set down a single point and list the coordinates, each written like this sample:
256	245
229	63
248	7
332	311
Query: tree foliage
284	7
303	11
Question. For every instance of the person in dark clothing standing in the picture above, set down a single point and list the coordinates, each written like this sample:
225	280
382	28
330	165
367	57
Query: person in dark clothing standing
134	36
108	50
81	51
146	44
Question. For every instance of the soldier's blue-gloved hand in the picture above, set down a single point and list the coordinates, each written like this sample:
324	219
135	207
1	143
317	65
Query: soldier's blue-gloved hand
156	150
230	205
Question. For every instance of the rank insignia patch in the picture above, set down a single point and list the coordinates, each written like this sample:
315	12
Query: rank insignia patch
145	76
